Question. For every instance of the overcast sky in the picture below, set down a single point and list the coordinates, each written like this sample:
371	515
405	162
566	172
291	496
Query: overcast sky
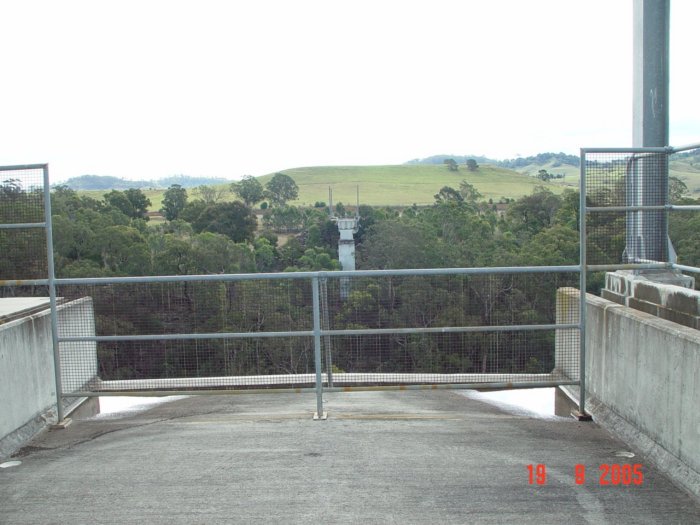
148	89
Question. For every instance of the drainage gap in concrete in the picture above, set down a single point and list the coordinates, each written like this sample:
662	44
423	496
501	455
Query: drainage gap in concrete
122	406
533	402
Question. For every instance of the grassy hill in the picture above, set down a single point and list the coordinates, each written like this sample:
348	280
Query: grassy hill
401	185
404	185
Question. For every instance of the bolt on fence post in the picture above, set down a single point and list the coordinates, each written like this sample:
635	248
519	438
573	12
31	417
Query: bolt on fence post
320	414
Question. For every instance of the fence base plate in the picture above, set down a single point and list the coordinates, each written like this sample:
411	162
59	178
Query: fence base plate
581	417
323	416
61	425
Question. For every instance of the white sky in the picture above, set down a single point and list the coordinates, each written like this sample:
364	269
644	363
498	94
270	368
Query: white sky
148	89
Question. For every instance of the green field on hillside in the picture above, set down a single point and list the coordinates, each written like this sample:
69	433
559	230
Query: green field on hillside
404	185
401	185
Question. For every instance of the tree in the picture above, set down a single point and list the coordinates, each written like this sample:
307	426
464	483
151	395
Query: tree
249	190
132	202
280	189
233	219
448	194
451	164
677	189
210	194
472	165
469	192
174	201
544	175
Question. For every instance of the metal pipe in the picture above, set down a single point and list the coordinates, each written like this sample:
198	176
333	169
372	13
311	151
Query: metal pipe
500	385
627	266
650	150
171	337
684	268
52	296
451	329
662	207
687	147
20	167
582	286
18	226
311	275
317	348
321	332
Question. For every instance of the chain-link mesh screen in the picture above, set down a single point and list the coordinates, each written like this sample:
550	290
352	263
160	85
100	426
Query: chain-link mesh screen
22	202
629	180
447	300
430	302
194	307
284	305
684	225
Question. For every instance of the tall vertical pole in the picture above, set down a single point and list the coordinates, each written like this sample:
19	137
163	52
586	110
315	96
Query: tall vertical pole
651	73
317	348
581	414
52	298
649	237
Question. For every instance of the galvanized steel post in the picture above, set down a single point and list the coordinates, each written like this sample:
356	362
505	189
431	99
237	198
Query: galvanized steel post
320	414
581	415
52	299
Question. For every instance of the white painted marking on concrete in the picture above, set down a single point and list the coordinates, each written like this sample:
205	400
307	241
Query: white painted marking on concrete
9	464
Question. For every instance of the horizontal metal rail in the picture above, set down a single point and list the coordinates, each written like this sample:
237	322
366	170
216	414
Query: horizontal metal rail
18	226
182	337
686	147
88	281
310	333
451	329
500	385
21	167
684	268
627	266
650	150
669	207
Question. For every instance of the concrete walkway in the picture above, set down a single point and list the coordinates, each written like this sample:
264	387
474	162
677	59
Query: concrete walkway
381	457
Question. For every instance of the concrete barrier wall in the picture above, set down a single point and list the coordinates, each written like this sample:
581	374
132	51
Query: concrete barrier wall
646	370
27	381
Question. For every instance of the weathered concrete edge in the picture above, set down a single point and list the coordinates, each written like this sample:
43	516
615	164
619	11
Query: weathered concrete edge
676	470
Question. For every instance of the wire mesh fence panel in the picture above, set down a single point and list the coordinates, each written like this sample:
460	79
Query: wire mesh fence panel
447	300
197	307
458	358
23	247
454	304
628	180
229	312
684	225
182	364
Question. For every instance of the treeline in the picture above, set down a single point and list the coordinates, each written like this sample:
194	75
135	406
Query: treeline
104	182
556	159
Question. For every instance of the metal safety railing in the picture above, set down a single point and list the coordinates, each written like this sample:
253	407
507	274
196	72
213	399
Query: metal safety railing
333	331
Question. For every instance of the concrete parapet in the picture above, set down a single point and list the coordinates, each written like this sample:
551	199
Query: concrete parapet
645	370
667	300
27	378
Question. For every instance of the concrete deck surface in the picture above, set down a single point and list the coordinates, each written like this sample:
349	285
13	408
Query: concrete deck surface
381	457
